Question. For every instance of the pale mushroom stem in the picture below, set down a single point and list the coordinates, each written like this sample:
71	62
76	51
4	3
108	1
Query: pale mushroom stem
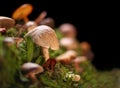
45	53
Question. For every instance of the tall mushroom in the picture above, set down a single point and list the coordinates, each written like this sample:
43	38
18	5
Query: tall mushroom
22	12
6	22
45	37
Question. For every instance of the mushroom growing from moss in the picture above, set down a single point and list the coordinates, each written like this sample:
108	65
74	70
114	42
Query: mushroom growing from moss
30	70
22	12
86	50
6	22
77	61
45	37
66	57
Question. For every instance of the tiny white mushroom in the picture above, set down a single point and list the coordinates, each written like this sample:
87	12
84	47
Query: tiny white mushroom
76	78
45	37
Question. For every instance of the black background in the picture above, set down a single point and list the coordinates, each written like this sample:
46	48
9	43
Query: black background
95	23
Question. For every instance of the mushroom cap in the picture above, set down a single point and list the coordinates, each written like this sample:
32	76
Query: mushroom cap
68	30
80	59
48	21
32	67
44	36
6	22
30	23
22	12
85	46
69	43
66	57
9	40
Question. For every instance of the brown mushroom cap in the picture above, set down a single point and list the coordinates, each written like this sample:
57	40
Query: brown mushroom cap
85	46
44	36
6	22
48	21
22	12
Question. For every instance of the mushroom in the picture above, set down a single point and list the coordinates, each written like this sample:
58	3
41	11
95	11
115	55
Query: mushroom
76	78
45	37
40	17
76	62
6	22
30	70
48	21
68	30
22	12
66	57
30	25
9	41
86	50
69	43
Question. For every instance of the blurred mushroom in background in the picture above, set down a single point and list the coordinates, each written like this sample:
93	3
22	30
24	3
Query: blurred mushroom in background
41	17
22	12
86	50
48	21
67	57
68	30
77	61
69	43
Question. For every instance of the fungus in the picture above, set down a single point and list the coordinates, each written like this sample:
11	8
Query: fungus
22	12
45	37
6	22
30	70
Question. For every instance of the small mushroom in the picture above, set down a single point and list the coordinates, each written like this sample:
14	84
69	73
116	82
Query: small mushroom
9	41
86	50
77	61
68	30
76	78
48	21
66	57
30	70
6	22
22	12
45	37
40	17
30	25
69	43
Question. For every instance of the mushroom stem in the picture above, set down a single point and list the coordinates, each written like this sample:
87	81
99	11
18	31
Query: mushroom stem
32	77
45	53
26	19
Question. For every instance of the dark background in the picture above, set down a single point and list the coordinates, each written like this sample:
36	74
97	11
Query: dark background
95	23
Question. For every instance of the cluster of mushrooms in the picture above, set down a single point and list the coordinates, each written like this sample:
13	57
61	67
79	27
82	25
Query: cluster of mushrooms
42	32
